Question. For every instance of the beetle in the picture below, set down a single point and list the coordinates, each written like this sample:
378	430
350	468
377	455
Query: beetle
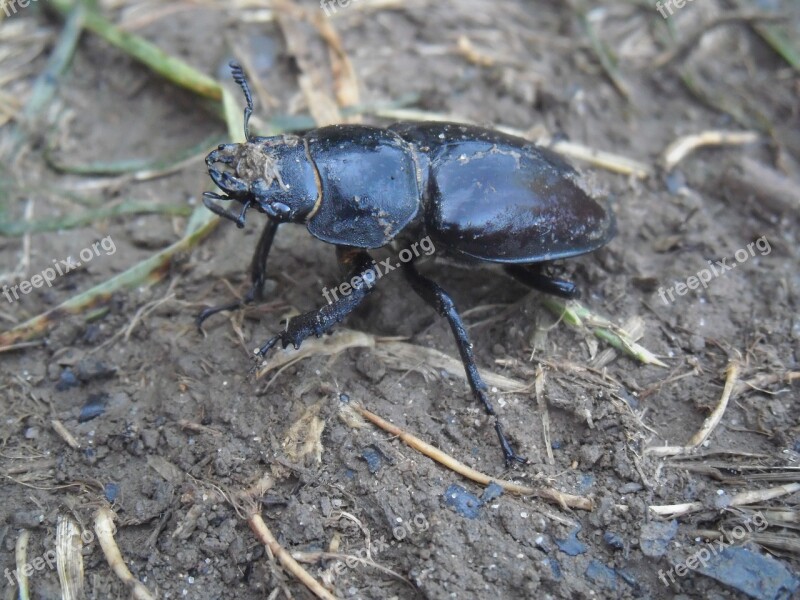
481	195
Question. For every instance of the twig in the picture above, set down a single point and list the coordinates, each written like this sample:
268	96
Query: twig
709	424
287	561
715	417
743	499
104	527
65	434
683	146
451	463
540	400
21	558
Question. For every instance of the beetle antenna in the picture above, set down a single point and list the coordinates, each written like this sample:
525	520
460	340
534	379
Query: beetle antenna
240	78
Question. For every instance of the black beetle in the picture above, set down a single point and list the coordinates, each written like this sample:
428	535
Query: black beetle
480	195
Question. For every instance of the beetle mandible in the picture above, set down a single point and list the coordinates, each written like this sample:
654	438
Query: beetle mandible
481	196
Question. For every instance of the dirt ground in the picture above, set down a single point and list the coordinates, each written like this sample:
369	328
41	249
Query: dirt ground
126	406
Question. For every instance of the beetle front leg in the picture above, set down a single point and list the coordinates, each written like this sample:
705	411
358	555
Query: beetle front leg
363	275
258	275
439	299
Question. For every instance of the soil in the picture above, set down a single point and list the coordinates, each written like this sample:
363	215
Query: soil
171	426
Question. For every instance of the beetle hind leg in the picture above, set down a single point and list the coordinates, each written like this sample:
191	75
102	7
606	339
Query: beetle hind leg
439	299
532	276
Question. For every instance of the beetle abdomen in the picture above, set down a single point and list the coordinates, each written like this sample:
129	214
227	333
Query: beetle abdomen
499	198
512	205
369	185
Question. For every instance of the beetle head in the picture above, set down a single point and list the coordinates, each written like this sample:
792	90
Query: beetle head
270	174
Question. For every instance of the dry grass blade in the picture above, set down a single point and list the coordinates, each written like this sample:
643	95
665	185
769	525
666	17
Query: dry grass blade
400	356
609	161
709	424
345	80
716	416
542	403
311	78
328	345
671	511
21	560
777	542
576	315
104	527
287	561
683	146
429	362
560	498
69	559
147	271
65	434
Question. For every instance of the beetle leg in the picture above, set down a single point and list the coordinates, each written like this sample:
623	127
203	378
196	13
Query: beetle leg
258	275
362	278
439	299
531	276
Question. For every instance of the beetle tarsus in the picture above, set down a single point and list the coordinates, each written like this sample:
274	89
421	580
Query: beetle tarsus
510	456
438	298
269	344
531	276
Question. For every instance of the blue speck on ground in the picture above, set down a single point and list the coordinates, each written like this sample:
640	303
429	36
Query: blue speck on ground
613	540
601	574
572	545
111	491
466	504
491	492
555	568
655	536
586	482
373	458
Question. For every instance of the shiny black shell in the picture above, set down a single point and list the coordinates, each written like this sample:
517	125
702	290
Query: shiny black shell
499	198
369	185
